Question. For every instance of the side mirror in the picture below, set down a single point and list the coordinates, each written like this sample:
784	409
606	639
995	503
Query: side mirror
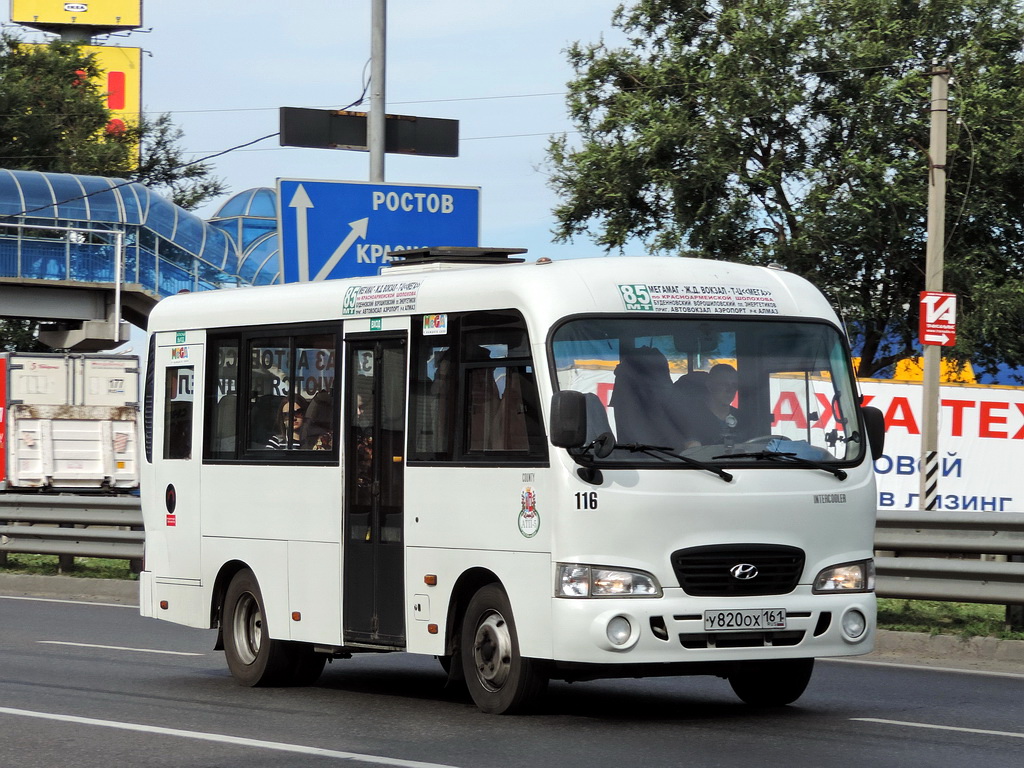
568	419
874	424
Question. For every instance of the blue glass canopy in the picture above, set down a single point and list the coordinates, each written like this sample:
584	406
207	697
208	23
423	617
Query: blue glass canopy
65	225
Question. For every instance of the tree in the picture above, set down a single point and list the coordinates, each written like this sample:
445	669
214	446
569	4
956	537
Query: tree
796	131
53	118
20	336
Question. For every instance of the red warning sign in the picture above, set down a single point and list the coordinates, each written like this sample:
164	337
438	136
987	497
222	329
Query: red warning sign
938	318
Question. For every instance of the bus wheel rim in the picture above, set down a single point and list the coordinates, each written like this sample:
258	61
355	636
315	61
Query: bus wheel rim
248	628
492	651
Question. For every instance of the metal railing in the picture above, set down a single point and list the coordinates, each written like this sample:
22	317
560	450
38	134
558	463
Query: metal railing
79	526
938	552
932	547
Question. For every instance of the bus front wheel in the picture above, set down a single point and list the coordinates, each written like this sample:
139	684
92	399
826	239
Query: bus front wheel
499	679
772	683
253	657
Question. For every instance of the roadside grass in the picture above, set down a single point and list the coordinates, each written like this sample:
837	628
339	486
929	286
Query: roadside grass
940	618
84	567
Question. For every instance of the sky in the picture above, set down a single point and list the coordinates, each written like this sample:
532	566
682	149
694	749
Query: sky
222	68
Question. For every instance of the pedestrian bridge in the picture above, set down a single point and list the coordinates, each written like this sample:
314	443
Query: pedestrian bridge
59	239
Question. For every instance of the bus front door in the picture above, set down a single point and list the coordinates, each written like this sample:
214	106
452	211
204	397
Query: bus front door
374	451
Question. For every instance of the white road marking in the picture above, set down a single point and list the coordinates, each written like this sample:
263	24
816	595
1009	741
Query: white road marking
72	602
981	731
117	648
928	667
223	739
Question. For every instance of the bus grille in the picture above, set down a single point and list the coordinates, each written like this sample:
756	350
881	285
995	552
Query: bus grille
726	570
700	641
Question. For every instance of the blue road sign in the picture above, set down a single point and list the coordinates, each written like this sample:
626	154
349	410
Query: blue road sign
330	229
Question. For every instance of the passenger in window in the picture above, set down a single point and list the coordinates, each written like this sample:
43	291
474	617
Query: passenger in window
364	443
711	419
317	430
289	434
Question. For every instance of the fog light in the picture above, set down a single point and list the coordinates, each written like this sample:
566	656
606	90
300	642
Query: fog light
854	624
619	630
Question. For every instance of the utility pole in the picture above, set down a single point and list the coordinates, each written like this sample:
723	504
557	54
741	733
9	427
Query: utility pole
929	491
376	118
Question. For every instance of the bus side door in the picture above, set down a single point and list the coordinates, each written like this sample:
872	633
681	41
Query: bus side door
374	456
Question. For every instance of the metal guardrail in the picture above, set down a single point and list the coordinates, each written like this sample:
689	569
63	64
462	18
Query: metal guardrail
80	526
930	565
931	546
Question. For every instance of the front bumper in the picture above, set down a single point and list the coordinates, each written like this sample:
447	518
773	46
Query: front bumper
670	629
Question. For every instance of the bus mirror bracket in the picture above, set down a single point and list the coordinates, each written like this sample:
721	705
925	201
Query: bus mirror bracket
568	419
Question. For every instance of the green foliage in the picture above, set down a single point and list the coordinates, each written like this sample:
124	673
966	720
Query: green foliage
940	618
796	131
85	567
20	336
54	119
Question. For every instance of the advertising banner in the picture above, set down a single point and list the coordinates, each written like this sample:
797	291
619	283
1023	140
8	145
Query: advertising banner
980	443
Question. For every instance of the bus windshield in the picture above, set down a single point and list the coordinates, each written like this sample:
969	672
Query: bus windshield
764	392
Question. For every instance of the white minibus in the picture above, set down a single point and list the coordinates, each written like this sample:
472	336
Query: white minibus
568	470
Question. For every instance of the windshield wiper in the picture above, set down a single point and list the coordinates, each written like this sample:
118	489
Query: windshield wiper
784	456
603	445
655	450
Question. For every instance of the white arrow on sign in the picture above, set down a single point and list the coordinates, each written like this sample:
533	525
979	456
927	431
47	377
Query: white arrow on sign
357	232
936	338
301	203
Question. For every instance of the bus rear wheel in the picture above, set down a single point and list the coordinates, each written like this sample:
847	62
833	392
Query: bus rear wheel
253	657
772	683
499	679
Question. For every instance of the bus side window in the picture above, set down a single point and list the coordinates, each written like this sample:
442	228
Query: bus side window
482	401
509	423
434	389
178	413
222	401
474	391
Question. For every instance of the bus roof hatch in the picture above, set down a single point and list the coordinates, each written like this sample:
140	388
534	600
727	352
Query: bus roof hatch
456	255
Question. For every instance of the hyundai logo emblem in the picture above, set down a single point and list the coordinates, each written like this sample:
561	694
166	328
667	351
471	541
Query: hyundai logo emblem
744	571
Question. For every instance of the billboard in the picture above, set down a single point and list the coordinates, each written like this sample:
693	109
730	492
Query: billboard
981	436
121	81
107	14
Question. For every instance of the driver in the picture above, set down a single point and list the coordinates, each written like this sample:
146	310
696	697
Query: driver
713	416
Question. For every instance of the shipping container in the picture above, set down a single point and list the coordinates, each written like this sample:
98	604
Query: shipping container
68	422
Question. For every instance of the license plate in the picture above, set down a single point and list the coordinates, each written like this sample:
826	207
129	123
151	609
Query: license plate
745	620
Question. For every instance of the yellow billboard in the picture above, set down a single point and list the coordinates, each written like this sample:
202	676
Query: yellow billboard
120	80
104	14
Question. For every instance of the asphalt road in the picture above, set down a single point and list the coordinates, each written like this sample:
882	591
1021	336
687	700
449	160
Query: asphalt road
95	685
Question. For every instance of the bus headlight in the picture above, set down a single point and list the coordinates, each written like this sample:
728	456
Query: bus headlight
575	580
849	577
